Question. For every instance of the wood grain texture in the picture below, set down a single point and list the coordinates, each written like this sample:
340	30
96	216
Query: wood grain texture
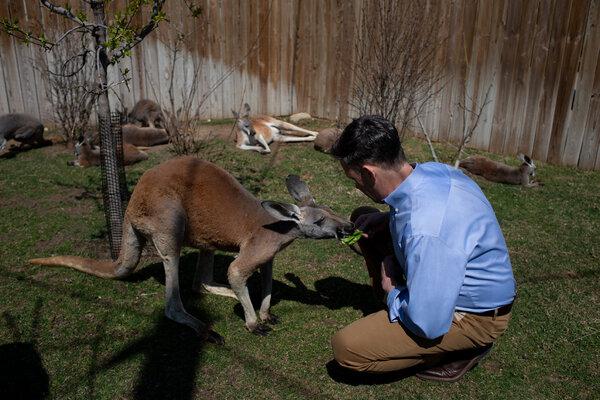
540	57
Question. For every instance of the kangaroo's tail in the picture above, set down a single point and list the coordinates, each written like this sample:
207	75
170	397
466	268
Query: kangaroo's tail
131	250
101	268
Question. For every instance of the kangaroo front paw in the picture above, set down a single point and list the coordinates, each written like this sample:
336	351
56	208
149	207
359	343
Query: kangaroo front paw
271	319
260	329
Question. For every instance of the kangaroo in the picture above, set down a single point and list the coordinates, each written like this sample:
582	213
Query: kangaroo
144	137
502	173
191	202
147	113
326	138
258	132
87	155
23	128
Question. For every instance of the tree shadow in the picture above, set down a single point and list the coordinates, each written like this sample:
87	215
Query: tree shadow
172	355
22	374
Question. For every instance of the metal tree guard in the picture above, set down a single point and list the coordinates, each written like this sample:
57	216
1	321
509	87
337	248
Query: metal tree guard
114	186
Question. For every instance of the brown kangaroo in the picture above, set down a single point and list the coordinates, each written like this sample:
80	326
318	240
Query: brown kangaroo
189	202
258	132
144	137
502	173
326	138
147	113
23	128
87	155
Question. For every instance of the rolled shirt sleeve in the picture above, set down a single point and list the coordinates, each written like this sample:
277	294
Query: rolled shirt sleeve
434	275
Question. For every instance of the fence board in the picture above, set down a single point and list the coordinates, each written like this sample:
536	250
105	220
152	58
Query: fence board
583	88
571	53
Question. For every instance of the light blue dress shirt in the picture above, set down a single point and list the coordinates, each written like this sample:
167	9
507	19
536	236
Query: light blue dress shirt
449	245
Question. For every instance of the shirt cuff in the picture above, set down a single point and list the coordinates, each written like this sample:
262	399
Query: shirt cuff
393	304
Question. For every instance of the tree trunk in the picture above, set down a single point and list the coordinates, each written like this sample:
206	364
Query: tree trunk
112	181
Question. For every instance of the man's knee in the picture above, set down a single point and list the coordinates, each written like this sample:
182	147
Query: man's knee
347	351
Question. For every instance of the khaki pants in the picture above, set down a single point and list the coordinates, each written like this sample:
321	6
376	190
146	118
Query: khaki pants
374	344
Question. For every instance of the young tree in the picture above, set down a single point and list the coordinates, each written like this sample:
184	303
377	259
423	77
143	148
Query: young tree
112	41
394	61
69	85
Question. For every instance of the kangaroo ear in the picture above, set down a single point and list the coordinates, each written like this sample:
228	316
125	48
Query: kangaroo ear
247	108
298	189
282	211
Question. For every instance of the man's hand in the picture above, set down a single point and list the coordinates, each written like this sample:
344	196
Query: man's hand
389	269
371	224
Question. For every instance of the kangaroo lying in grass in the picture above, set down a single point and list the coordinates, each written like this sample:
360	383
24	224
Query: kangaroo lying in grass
502	173
88	155
23	128
257	133
144	137
189	202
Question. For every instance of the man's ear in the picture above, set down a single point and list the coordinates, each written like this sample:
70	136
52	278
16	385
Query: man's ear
367	174
282	211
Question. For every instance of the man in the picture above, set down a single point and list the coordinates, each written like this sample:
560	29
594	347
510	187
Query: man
438	254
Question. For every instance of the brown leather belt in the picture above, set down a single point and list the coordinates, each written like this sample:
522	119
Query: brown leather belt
496	312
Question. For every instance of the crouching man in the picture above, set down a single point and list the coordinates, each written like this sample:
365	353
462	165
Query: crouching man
438	258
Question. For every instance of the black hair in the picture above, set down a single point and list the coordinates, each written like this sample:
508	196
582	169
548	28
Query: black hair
370	138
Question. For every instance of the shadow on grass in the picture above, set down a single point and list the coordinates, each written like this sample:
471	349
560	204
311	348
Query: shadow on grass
172	355
354	378
332	292
22	374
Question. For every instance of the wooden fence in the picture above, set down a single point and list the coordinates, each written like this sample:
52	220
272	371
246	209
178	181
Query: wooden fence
541	58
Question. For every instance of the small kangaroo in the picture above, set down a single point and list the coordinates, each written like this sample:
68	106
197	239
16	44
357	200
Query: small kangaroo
23	128
144	137
257	133
186	201
87	155
502	173
326	138
147	113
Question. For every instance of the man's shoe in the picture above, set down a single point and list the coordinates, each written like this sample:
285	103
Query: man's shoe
454	370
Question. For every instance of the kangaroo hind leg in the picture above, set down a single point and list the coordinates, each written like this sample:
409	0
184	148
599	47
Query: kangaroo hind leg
204	276
168	245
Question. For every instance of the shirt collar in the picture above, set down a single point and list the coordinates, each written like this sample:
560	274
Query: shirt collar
407	186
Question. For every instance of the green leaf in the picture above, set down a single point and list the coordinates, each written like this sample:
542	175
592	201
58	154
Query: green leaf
352	238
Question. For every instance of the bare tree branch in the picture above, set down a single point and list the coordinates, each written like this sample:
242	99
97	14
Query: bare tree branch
468	131
433	154
394	68
62	11
145	31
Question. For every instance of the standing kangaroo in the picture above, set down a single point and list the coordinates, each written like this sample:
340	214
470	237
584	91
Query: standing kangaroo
87	155
502	173
147	113
257	133
144	137
187	201
23	128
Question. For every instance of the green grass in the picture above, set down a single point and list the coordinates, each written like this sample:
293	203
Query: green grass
102	339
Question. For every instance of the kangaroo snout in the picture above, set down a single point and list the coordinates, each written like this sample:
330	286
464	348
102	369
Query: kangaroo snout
345	230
